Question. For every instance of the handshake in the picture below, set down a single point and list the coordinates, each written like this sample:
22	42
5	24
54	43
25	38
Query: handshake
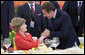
44	34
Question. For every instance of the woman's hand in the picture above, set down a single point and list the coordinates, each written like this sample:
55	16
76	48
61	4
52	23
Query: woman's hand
41	38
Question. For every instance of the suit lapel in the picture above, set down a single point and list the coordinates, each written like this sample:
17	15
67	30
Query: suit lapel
36	12
57	14
50	24
76	5
35	9
57	19
27	8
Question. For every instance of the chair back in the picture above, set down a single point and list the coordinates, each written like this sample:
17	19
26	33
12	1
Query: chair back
15	49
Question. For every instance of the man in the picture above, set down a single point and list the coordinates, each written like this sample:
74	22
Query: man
34	18
75	9
59	25
7	13
38	2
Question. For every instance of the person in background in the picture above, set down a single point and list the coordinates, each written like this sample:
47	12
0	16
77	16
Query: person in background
34	17
59	25
7	13
75	9
23	40
38	2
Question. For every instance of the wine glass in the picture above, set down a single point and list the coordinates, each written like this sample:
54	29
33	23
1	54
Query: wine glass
7	43
55	42
47	42
1	43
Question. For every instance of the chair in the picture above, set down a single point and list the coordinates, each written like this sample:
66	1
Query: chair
15	49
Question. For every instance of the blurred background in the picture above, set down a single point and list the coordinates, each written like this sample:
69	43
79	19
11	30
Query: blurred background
18	3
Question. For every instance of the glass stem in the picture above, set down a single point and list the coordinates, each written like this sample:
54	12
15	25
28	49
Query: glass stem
55	48
6	49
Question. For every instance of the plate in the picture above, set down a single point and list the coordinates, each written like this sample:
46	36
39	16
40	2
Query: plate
19	52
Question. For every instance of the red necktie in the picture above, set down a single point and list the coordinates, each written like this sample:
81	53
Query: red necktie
32	9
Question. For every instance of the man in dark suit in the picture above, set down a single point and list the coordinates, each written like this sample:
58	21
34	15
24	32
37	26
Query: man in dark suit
7	13
34	18
59	25
76	15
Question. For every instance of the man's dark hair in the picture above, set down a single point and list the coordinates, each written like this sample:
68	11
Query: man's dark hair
48	6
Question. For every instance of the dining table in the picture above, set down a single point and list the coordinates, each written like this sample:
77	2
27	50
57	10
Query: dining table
43	49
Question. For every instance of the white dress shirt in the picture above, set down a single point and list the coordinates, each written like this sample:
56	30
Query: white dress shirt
32	4
78	3
78	6
55	13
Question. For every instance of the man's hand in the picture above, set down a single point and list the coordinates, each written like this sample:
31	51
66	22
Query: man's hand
42	38
46	33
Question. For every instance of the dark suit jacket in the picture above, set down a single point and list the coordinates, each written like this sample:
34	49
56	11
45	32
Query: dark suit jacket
24	12
81	23
72	9
63	29
7	13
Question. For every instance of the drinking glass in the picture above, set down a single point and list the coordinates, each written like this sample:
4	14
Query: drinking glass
47	42
7	43
55	42
1	43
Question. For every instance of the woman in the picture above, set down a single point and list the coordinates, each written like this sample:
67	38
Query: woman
23	40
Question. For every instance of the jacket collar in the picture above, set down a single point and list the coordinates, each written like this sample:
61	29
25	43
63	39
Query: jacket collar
20	35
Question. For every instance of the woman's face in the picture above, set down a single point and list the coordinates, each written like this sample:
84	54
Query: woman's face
23	28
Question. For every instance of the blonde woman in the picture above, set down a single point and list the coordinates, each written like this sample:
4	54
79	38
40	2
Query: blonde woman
23	40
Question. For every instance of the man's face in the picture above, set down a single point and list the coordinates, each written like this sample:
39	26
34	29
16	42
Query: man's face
46	14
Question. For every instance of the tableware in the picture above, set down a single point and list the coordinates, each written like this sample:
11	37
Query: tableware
7	43
1	43
55	42
48	42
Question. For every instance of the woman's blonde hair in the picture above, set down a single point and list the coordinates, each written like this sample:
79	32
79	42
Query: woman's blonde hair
16	23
